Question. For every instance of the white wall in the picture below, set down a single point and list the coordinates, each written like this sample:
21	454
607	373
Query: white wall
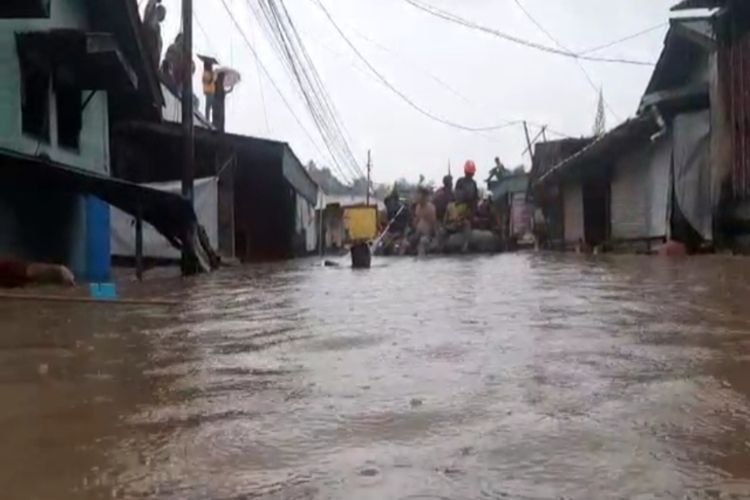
640	192
306	222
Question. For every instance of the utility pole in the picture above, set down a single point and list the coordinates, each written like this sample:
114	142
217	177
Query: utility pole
369	170
188	132
528	142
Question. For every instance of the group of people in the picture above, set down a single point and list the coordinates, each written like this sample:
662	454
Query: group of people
436	220
176	66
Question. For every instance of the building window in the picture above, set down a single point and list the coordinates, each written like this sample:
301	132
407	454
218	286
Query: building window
69	115
35	101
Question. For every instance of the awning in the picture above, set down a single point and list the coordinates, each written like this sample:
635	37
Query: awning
614	142
170	214
252	152
90	61
15	9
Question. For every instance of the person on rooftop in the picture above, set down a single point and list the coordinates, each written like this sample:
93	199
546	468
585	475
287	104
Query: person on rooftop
209	84
153	16
175	67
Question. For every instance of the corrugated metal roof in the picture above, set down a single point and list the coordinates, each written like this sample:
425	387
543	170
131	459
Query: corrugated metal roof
550	153
515	183
681	54
639	128
698	4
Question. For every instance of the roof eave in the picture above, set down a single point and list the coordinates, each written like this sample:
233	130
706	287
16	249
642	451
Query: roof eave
641	126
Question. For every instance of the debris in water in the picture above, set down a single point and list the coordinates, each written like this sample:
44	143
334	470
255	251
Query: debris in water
369	472
448	471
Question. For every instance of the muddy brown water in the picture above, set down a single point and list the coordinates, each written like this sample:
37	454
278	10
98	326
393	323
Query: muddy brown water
517	376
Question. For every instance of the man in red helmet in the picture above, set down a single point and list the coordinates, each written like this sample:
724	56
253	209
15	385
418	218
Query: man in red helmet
467	192
467	197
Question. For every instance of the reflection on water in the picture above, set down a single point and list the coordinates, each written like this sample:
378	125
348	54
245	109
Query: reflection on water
518	376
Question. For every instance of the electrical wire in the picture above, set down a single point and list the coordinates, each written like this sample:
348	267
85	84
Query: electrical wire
286	58
327	100
557	42
261	92
412	64
211	46
447	16
398	92
624	39
270	78
316	97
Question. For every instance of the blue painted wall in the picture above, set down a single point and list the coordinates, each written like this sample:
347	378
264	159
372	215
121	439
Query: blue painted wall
98	261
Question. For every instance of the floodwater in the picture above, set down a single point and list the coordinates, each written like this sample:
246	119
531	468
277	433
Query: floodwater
517	376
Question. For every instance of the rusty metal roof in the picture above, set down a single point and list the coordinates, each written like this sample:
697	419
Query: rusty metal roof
549	153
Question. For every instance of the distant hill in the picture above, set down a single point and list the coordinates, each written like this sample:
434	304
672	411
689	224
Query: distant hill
327	180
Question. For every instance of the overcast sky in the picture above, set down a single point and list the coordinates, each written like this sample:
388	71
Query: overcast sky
485	80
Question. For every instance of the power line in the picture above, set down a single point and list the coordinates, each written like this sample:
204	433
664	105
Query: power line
197	20
212	47
625	39
277	45
327	100
413	64
310	84
400	94
578	62
434	11
262	93
270	78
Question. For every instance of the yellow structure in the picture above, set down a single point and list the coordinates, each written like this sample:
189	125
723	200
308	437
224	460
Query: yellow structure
361	223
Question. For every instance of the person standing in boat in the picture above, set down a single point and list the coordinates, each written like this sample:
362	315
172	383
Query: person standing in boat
444	197
467	192
463	209
426	222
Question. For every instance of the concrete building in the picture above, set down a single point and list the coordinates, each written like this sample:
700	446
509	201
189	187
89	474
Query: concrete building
68	69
